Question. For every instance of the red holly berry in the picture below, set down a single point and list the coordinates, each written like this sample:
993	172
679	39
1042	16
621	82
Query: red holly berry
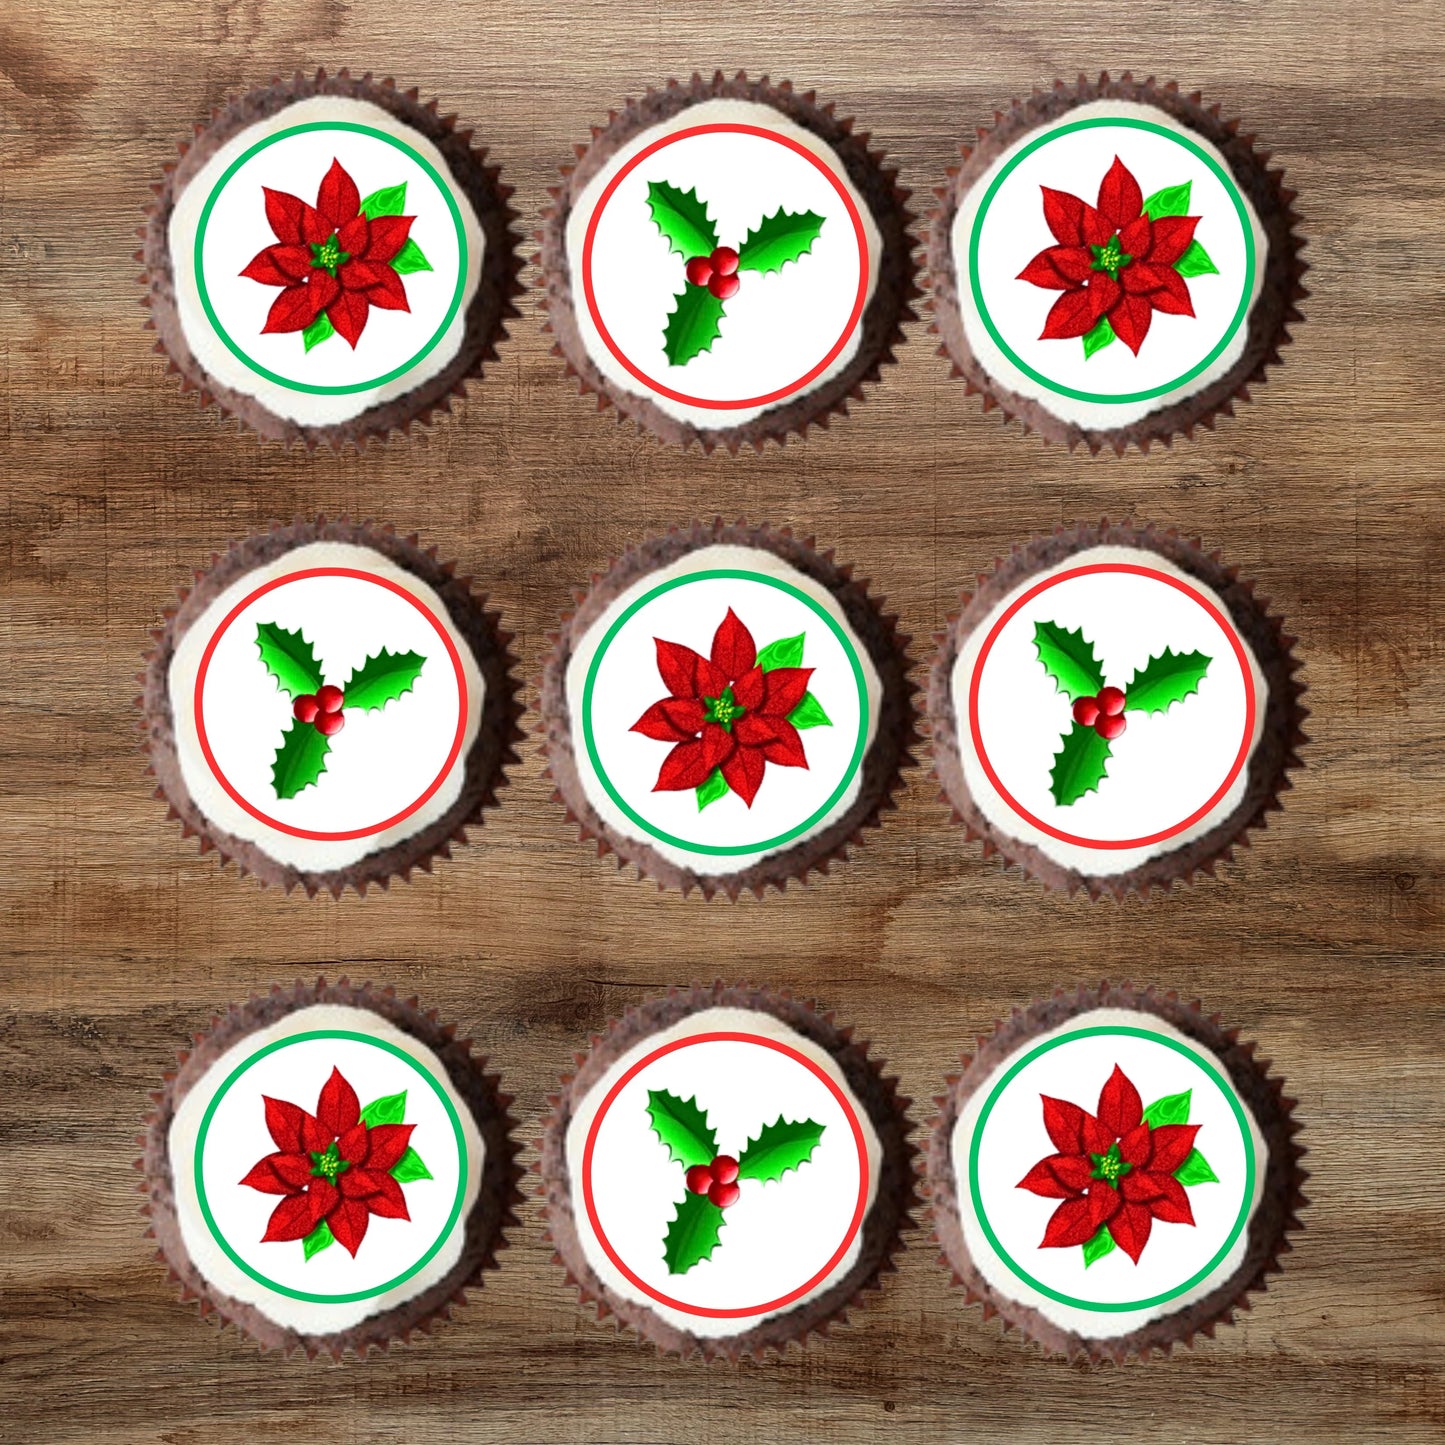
724	1195
699	270
724	286
328	724
724	1168
699	1179
1110	726
724	260
330	698
306	707
1086	711
1111	701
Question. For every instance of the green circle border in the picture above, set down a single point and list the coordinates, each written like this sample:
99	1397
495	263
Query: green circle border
275	377
1126	1306
712	849
305	1295
1241	312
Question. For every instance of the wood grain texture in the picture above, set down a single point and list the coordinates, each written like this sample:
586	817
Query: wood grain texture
1324	941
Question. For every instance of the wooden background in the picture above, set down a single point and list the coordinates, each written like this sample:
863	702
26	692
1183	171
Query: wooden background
1323	942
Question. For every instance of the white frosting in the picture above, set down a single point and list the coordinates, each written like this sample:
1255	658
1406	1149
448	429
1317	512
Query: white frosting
1164	767
380	762
778	327
237	1138
628	682
237	230
780	1233
1014	231
1015	1139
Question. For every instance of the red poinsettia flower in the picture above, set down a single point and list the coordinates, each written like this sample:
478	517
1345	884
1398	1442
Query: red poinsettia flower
330	257
1111	261
331	1167
724	711
1111	1169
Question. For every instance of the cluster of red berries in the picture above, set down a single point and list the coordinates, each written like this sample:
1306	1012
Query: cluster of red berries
1105	713
718	272
322	709
717	1180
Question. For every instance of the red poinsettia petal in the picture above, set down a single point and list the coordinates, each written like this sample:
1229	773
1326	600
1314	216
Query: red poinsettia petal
1130	1228
677	666
1065	1123
293	310
744	771
1073	1171
1172	1146
388	1201
263	267
1120	198
315	1136
1096	1137
338	199
1144	276
1104	1203
1130	320
1098	228
284	1122
1136	238
1041	271
1172	235
323	1195
265	1178
786	749
294	1218
685	767
1171	1204
717	744
1134	1147
348	315
1065	216
1070	1224
1120	1107
684	712
315	228
388	1143
1071	315
1173	295
1042	1179
1104	291
1074	262
353	1144
785	689
751	688
1139	1186
338	1108
362	275
712	681
348	1224
324	287
354	236
284	212
753	730
358	1183
388	293
388	236
655	723
292	1169
733	649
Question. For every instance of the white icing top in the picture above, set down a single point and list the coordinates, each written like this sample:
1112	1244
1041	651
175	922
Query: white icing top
682	604
400	1252
410	327
1180	353
784	1241
1172	775
390	771
781	326
1179	1261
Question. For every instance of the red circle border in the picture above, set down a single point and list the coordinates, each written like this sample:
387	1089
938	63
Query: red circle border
681	396
1226	626
855	1224
198	706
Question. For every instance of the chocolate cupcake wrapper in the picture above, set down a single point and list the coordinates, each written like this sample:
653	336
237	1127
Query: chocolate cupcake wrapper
1276	1219
491	308
882	322
890	755
486	1236
892	1212
1283	730
486	775
1274	313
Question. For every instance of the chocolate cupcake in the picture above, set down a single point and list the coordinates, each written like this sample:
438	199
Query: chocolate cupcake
329	259
1114	263
329	705
329	1169
726	1171
726	709
727	262
1114	708
1113	1172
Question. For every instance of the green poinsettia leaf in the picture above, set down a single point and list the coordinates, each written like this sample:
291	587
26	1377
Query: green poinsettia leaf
1079	766
1165	680
410	259
1196	261
809	714
682	219
300	759
1097	1247
782	1145
693	1234
381	679
320	1238
1068	659
389	1109
1171	1109
409	1168
289	658
682	1126
388	201
777	239
1170	201
785	652
693	326
320	330
1195	1170
714	788
1098	338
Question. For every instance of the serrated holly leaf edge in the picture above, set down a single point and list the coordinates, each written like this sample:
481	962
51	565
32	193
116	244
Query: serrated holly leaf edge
1094	786
667	1144
743	264
1183	697
791	1168
704	1204
385	652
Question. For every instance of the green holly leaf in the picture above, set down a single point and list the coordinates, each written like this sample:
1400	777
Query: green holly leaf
809	714
389	1109
320	330
1079	766
1196	261
1171	1109
693	326
780	1146
1098	338
785	652
289	658
389	201
410	259
693	1234
1165	680
1195	1170
410	1168
682	219
683	1127
1171	201
713	789
320	1238
300	759
1097	1247
382	678
777	239
1069	660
